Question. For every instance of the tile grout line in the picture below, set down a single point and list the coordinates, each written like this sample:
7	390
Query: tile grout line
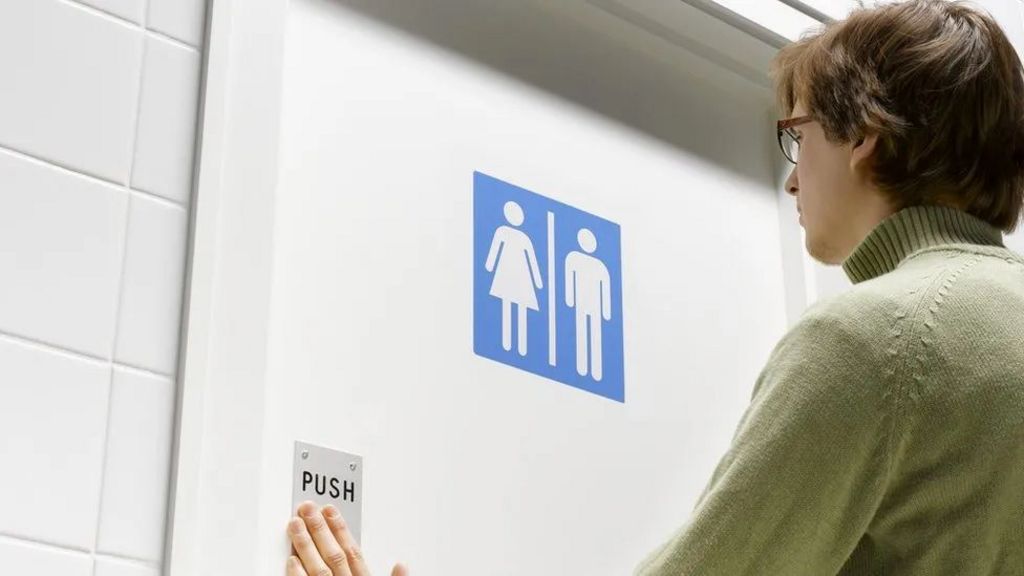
49	348
100	12
157	198
105	454
11	538
138	370
172	40
38	542
128	559
56	165
110	404
52	164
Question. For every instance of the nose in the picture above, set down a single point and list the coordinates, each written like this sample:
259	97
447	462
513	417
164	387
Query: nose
792	184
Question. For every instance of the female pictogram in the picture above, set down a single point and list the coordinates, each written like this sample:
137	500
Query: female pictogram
516	275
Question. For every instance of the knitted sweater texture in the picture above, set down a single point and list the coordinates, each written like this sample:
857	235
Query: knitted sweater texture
885	435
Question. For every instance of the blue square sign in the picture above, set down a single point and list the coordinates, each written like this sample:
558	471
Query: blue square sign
547	288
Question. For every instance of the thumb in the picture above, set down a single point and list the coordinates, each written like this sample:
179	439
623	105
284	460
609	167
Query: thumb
400	570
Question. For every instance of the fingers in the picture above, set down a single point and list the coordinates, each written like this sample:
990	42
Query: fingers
295	567
348	543
329	548
325	546
305	548
399	570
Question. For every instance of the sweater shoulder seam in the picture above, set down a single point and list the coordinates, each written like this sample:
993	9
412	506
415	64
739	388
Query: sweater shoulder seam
910	339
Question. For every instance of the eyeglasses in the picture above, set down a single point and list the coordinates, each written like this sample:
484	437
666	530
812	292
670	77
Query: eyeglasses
789	140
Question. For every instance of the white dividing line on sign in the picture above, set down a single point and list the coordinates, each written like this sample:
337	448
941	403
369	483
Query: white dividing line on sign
551	288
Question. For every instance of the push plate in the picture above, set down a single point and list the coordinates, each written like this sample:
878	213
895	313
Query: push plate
328	476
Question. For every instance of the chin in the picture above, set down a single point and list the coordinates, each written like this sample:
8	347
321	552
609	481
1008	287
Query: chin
822	252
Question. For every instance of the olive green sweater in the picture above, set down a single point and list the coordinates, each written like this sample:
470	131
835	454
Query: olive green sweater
885	435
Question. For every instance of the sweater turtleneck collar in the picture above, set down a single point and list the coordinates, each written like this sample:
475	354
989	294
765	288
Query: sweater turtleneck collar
912	229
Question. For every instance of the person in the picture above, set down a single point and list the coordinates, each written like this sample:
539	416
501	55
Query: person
885	434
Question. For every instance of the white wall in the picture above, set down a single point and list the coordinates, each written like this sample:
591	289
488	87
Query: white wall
98	110
469	463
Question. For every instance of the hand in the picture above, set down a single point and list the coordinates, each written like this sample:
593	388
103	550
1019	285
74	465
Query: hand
325	546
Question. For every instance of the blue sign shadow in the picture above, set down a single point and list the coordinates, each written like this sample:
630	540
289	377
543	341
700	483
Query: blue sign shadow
547	288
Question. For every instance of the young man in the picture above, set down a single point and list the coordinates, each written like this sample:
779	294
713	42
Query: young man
885	435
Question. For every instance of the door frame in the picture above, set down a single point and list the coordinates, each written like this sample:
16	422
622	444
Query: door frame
213	516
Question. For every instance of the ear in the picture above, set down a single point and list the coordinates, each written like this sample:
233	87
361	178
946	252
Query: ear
862	149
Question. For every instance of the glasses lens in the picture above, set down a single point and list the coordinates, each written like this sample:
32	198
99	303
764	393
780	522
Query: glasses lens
790	146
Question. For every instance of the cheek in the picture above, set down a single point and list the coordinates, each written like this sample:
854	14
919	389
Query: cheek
807	176
821	177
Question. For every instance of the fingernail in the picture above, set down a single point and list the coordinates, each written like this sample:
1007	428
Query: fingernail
331	511
295	526
307	509
294	561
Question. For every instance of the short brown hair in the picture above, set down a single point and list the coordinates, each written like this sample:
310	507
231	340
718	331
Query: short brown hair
940	84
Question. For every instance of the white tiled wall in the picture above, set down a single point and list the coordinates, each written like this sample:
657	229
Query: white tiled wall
98	109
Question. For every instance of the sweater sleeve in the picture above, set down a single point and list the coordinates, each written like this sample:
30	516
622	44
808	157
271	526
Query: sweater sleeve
807	465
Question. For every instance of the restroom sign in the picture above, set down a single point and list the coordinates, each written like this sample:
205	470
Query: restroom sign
547	288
